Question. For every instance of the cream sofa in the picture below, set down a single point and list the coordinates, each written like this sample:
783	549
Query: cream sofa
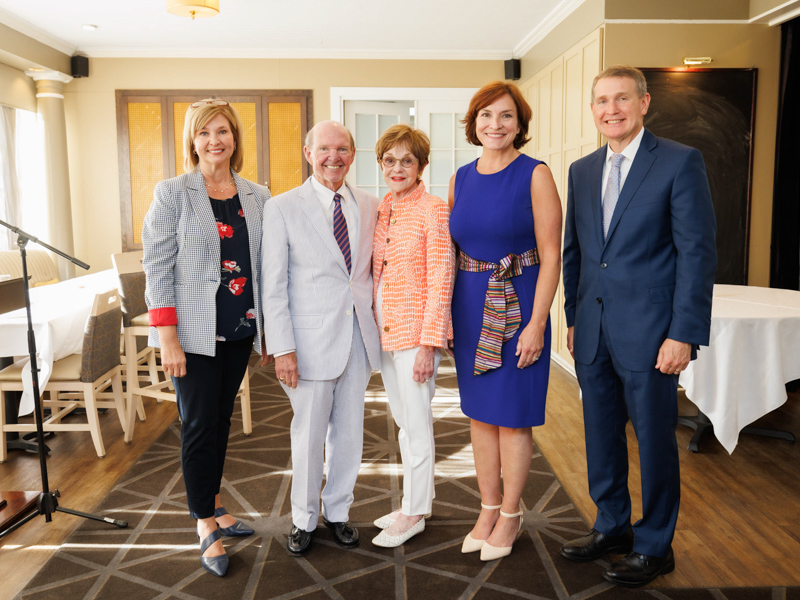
41	268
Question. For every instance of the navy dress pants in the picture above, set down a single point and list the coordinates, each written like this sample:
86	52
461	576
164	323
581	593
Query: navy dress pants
206	397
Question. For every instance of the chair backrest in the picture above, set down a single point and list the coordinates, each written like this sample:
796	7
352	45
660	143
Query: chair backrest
128	262
101	337
132	283
41	267
12	295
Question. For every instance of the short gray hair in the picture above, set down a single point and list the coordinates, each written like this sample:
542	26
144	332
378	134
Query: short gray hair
623	71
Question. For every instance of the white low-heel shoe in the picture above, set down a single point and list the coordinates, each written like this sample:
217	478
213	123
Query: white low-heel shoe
385	540
489	552
387	521
470	543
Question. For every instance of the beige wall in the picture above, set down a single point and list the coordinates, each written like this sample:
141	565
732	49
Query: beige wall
731	46
678	9
580	23
92	127
17	89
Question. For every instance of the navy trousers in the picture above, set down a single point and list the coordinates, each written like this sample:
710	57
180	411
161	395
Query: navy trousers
206	397
611	396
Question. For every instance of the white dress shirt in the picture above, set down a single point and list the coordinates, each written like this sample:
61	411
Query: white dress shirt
349	208
625	166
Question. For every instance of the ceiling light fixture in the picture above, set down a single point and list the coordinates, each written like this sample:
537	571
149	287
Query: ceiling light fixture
193	8
697	60
89	27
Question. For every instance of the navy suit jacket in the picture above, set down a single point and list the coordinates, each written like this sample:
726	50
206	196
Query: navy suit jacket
653	276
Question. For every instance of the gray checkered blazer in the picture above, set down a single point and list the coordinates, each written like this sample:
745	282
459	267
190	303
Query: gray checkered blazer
182	257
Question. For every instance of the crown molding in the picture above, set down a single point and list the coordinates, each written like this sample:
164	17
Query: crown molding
551	21
301	53
677	21
26	28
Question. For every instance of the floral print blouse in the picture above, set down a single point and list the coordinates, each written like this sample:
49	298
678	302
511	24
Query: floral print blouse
235	306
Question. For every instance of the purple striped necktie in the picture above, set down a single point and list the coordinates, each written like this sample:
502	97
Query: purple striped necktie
340	229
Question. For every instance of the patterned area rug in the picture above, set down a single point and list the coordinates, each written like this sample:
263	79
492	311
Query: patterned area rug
156	557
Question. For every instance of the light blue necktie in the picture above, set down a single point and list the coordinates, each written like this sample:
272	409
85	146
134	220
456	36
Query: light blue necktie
612	191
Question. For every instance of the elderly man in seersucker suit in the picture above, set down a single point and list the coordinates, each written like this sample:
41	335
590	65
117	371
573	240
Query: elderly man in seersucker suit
639	263
317	292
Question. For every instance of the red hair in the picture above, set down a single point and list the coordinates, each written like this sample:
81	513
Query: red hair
489	94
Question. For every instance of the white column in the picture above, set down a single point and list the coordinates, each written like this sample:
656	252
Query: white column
50	106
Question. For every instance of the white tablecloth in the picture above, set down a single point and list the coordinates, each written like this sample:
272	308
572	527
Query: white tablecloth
754	351
59	314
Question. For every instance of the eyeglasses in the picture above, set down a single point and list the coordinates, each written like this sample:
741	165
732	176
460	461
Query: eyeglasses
200	103
406	163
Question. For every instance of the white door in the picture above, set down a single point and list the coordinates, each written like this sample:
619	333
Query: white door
367	121
436	111
441	120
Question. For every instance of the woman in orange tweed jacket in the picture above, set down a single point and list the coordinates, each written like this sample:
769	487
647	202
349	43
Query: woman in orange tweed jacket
413	268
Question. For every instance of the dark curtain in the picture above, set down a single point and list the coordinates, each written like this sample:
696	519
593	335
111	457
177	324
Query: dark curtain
785	251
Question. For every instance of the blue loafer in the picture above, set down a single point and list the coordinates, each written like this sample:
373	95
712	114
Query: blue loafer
216	565
238	529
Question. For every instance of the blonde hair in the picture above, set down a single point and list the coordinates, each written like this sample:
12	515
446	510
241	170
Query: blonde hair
196	119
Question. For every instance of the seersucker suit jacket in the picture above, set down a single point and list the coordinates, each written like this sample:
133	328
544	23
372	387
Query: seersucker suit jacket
182	257
309	297
652	277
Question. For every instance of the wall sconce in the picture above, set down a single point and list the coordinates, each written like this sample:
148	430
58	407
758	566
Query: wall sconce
193	8
696	60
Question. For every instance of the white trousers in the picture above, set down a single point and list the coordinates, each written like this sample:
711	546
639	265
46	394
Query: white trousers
411	408
328	431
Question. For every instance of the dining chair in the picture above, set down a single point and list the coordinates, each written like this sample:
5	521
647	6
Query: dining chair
140	362
132	284
79	380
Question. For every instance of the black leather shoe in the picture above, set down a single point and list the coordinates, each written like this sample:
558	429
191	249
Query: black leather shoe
596	545
299	542
344	534
639	569
218	565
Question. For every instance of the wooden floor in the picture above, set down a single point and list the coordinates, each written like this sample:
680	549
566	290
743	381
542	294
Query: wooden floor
83	480
739	523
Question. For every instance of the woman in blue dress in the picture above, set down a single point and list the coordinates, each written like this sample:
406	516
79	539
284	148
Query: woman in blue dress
506	223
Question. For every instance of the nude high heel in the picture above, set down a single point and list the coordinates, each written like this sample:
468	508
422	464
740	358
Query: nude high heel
470	543
489	552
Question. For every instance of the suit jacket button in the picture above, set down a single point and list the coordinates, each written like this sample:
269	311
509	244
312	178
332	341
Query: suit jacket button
349	312
386	328
386	262
603	265
599	300
387	240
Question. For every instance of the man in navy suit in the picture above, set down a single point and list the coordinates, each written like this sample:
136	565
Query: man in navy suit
639	264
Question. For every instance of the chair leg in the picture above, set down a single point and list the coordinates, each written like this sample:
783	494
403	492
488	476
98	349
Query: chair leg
116	387
3	449
94	422
244	392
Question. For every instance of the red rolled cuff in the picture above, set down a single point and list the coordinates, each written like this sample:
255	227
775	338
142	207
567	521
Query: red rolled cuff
160	317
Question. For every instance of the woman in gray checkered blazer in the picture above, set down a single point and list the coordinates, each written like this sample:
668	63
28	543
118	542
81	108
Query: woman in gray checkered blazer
202	257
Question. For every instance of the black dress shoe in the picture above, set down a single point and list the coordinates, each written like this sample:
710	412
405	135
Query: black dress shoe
299	542
344	534
639	569
596	545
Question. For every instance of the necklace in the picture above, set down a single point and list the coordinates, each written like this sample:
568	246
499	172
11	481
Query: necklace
220	190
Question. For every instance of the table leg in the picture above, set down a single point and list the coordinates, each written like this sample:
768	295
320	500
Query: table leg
701	424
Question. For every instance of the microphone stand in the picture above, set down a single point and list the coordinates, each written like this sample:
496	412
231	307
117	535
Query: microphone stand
47	502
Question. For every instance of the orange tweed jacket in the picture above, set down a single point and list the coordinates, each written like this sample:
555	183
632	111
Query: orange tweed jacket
414	254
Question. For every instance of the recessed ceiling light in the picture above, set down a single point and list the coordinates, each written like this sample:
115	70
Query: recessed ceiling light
89	27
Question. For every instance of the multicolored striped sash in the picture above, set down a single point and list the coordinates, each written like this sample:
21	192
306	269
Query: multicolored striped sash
501	314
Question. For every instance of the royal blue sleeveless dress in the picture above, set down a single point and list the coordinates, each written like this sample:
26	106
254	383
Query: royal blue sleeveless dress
491	218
